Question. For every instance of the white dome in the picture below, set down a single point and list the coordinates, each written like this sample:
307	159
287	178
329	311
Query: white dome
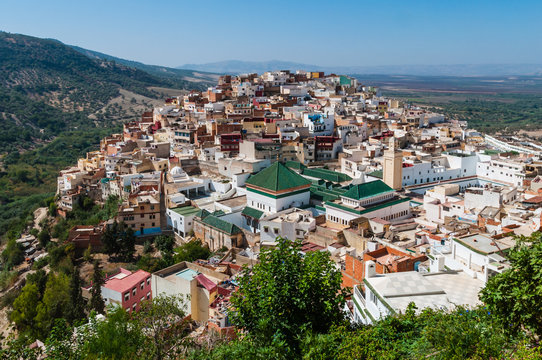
177	170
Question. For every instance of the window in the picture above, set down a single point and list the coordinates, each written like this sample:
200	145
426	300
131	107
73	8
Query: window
133	291
134	307
127	296
148	295
142	285
142	299
275	230
148	280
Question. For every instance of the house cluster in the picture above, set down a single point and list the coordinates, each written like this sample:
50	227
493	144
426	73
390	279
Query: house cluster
412	206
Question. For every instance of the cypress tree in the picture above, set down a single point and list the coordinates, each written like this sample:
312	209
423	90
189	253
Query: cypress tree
96	300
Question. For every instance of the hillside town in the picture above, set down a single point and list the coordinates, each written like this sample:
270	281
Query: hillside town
411	205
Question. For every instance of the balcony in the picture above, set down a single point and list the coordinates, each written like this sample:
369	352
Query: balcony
360	296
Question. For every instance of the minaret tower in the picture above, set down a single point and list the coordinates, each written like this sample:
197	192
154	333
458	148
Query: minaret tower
393	166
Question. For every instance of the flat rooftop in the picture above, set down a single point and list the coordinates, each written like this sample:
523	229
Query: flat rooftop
482	243
234	201
185	210
435	290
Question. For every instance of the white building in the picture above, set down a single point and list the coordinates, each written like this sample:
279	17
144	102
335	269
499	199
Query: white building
372	199
388	294
181	219
319	124
440	168
505	171
277	188
495	196
477	255
291	223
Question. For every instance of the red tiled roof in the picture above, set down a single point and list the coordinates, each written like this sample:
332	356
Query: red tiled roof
534	200
128	282
205	282
308	246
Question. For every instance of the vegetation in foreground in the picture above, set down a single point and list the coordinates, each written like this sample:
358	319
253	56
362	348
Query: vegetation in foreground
507	326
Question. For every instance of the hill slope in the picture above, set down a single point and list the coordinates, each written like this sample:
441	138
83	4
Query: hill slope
176	77
47	87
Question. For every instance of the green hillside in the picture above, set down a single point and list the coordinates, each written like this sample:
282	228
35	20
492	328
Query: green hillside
55	104
47	88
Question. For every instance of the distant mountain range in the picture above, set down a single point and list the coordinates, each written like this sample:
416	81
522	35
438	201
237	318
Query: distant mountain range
239	67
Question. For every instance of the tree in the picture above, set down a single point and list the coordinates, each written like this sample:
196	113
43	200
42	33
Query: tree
163	318
87	254
54	305
116	337
127	244
515	295
76	309
165	244
191	251
44	237
13	254
25	308
287	294
96	301
119	239
147	247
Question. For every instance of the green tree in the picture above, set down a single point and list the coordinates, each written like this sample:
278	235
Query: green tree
166	327
44	237
117	337
147	247
96	301
25	308
54	305
515	295
87	254
165	244
13	254
287	294
76	309
39	278
191	251
119	240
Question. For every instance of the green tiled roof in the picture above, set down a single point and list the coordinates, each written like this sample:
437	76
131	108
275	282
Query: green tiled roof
186	210
326	174
277	177
202	213
222	225
369	208
295	165
323	193
366	190
255	213
377	174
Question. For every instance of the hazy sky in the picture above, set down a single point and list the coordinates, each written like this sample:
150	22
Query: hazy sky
357	32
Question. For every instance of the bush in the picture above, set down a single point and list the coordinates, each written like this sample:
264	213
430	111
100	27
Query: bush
7	278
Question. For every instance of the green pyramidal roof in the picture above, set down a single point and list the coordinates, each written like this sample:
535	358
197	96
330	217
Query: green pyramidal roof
365	190
277	177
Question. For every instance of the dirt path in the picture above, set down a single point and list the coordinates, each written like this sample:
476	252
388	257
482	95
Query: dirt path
39	215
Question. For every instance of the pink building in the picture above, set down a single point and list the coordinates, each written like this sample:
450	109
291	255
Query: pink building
127	289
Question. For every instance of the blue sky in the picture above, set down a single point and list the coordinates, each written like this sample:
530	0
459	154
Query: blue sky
316	32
